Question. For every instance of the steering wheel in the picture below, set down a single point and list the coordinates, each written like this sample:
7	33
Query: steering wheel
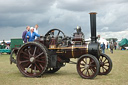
54	33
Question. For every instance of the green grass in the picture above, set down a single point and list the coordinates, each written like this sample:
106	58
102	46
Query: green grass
10	75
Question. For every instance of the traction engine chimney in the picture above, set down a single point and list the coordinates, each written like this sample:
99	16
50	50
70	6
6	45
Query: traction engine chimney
94	46
93	26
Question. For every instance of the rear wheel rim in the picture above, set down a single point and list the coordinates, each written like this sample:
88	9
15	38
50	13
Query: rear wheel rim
32	60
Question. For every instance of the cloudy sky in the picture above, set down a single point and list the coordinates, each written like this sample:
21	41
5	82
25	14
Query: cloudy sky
15	15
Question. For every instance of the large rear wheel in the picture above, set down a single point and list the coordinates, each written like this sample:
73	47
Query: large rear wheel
88	66
32	59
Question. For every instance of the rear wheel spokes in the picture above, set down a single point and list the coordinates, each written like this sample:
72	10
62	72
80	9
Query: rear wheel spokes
34	51
25	61
34	70
41	61
32	59
38	67
24	53
25	57
29	53
42	67
39	55
26	70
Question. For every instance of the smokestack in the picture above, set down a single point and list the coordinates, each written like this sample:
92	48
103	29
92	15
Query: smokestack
93	26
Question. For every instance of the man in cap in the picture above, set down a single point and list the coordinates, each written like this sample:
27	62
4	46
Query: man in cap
31	35
24	34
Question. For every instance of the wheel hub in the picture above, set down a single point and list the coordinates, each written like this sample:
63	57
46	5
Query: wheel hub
32	59
86	66
101	63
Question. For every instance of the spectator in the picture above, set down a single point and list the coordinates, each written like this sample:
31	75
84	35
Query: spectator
7	47
36	28
107	45
24	34
103	47
31	35
111	47
115	44
3	43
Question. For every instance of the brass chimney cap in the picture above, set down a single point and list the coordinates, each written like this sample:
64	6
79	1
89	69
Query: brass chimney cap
92	13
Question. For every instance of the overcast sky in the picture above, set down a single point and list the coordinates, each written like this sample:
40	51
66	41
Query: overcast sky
15	15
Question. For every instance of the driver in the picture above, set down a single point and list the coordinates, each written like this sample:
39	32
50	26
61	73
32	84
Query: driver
31	35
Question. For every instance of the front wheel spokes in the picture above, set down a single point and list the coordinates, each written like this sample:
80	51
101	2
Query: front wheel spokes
101	58
83	70
87	73
104	60
85	61
91	66
104	68
105	64
92	71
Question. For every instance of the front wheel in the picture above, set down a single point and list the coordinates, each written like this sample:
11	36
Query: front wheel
105	64
88	66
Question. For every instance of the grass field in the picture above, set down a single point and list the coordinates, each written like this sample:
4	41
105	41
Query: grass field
10	75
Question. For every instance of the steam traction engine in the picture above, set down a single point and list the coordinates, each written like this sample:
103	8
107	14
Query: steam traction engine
51	52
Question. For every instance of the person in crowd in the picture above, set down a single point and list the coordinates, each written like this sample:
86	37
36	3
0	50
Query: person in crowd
31	35
107	45
36	28
111	47
7	47
103	47
24	34
115	44
3	43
